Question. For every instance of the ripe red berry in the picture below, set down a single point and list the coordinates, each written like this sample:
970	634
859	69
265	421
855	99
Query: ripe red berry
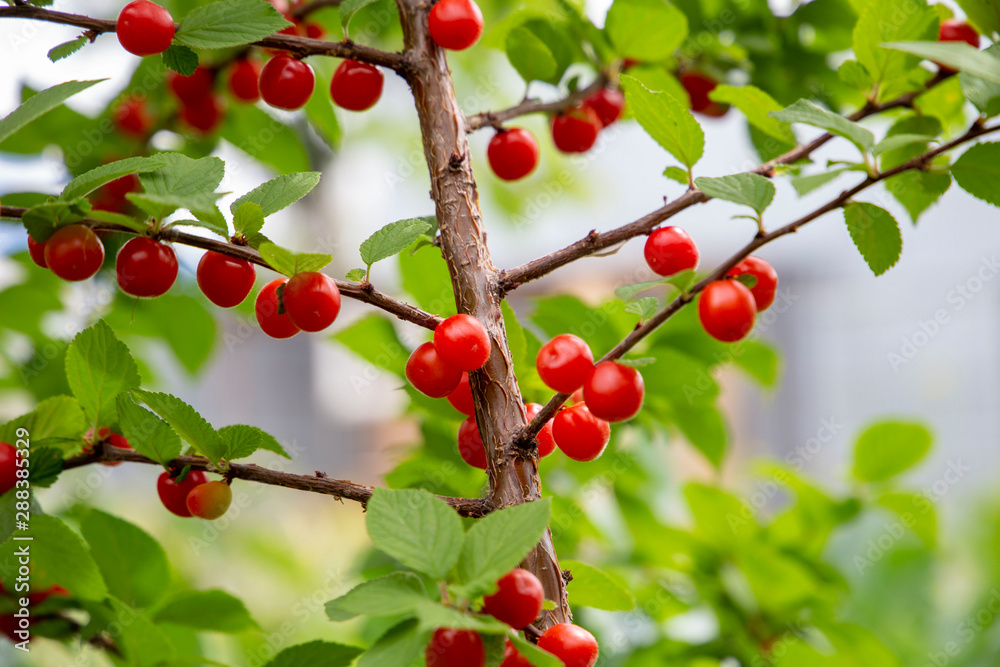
74	252
570	643
430	374
210	500
461	399
575	130
579	434
670	250
205	115
226	281
131	117
356	86
144	28
470	444
244	80
512	657
273	323
698	86
145	267
513	154
37	252
518	600
613	392
462	342
767	280
456	24
312	300
286	83
727	310
955	30
194	88
173	494
455	648
609	103
112	196
8	467
546	441
315	31
564	363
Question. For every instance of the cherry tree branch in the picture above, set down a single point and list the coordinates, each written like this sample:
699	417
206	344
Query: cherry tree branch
363	292
498	118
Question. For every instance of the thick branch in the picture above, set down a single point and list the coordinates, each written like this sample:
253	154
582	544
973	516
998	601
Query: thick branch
318	483
498	118
363	292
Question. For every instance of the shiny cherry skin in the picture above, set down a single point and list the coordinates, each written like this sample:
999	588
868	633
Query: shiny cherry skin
609	103
579	434
513	154
356	86
210	500
727	310
244	80
456	24
173	494
8	467
312	300
470	444
564	363
670	250
512	657
37	252
575	130
74	252
613	392
698	86
275	324
955	30
225	280
205	115
194	88
144	28
455	648
518	600
145	267
286	83
462	342
570	643
131	117
430	374
546	441
461	399
767	280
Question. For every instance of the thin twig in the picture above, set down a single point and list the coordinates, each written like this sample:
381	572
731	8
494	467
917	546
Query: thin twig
498	118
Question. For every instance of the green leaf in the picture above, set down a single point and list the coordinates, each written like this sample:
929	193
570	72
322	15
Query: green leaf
228	23
264	138
320	110
917	190
66	49
58	555
56	418
46	466
86	183
978	172
397	593
212	610
98	368
888	448
40	104
133	564
289	263
119	219
750	190
213	226
646	30
402	646
327	654
855	75
374	339
434	615
425	277
898	141
416	528
645	308
916	512
676	174
592	587
248	219
240	440
666	120
757	106
143	642
704	427
271	444
350	8
392	239
187	423
983	14
146	433
985	95
535	655
180	59
629	292
184	176
530	55
886	21
956	55
806	112
357	275
876	234
279	192
499	541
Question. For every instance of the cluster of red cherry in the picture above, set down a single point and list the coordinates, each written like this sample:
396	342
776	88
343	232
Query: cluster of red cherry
193	495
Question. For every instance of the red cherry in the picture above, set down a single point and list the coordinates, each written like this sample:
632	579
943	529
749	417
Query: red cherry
205	115
144	28
955	30
670	250
462	342
244	80
767	280
575	130
131	117
226	281
194	88
8	467
564	363
286	83
513	154
470	444
312	300
74	252
570	643
315	31
609	103
579	434
356	86
173	494
145	267
37	252
518	600
727	310
546	442
210	500
455	648
461	399
613	392
430	374
120	187
512	657
698	86
456	24
273	323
